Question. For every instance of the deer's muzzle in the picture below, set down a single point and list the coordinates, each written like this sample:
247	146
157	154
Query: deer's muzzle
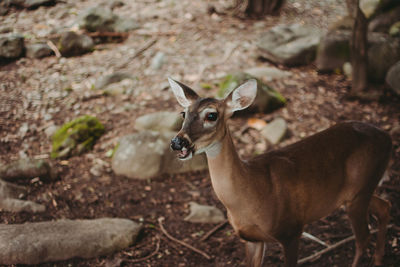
182	145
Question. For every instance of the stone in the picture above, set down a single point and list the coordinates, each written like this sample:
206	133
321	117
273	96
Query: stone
267	99
35	243
204	214
102	19
383	21
27	168
11	45
393	78
289	45
268	73
74	44
275	131
369	7
18	205
333	51
157	61
38	50
30	4
119	88
383	52
76	137
160	121
9	190
348	70
147	154
112	78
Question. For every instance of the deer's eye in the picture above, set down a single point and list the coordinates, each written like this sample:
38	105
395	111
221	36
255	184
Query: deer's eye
183	114
212	116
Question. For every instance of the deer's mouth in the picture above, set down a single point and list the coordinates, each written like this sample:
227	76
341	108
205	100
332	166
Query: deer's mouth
186	153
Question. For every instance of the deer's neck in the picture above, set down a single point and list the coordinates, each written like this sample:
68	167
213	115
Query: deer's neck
227	171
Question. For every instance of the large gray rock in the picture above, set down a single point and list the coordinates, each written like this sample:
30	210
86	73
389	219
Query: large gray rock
204	214
104	20
289	44
268	73
18	205
11	45
34	243
275	131
27	168
9	190
383	22
74	44
383	52
160	121
38	50
112	78
333	50
147	154
393	78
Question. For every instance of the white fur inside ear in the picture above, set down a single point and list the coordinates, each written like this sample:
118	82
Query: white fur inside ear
179	93
244	95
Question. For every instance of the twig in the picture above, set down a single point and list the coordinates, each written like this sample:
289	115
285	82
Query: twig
205	255
139	52
148	256
212	231
314	238
143	32
108	34
54	48
332	247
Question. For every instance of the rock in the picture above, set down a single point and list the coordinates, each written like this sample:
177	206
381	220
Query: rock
267	98
268	73
119	88
73	44
38	50
160	121
204	214
393	78
35	243
157	61
30	4
383	53
112	78
147	154
8	190
11	45
348	70
275	131
116	4
18	205
28	169
76	137
289	45
333	51
104	20
369	7
383	22
344	23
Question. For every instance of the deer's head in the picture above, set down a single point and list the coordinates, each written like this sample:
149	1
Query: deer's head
205	119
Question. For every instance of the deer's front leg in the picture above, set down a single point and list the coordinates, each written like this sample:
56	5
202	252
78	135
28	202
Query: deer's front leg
255	253
291	249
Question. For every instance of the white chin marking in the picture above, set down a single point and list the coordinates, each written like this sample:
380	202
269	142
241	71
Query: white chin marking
187	157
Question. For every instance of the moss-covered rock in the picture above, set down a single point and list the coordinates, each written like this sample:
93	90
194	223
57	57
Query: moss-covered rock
267	99
76	137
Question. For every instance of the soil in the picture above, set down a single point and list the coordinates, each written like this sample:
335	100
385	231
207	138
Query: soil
199	48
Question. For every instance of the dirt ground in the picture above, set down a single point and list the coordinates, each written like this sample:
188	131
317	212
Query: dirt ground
199	48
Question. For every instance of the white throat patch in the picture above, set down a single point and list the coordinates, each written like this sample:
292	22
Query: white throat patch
213	150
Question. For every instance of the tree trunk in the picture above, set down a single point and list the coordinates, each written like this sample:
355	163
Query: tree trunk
263	7
359	59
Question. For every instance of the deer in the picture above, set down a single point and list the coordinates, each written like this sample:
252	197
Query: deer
272	196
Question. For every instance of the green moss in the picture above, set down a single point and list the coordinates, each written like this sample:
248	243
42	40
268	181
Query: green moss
76	137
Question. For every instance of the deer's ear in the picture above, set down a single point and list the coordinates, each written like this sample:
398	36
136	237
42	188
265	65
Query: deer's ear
241	97
183	93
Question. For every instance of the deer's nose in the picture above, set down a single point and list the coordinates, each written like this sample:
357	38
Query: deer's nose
178	143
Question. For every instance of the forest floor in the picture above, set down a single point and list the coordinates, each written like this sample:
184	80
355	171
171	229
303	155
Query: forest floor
199	48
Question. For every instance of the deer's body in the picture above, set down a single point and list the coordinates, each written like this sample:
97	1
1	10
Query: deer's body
272	196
